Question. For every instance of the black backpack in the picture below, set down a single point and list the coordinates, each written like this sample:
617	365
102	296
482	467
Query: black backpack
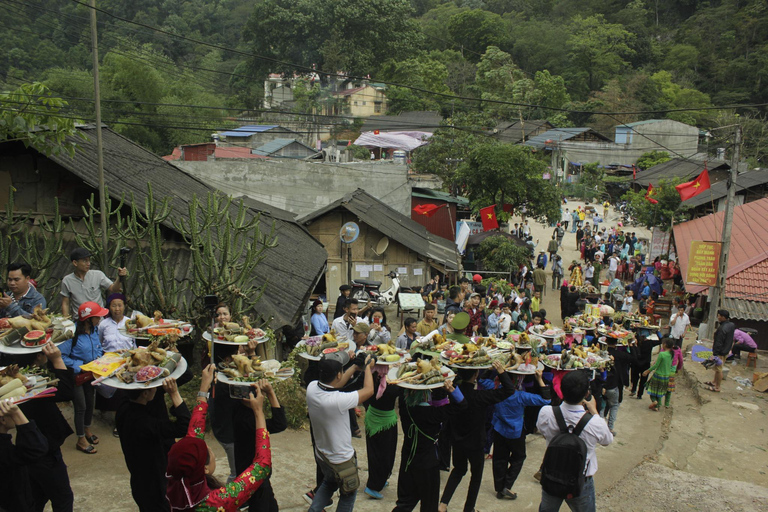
564	468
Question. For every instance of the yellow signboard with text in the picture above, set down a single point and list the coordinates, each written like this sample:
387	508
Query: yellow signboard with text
703	261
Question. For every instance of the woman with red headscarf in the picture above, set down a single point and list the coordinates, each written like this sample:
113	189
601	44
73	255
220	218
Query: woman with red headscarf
191	464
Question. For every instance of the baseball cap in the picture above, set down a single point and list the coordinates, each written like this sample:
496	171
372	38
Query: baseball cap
333	362
362	327
90	309
79	254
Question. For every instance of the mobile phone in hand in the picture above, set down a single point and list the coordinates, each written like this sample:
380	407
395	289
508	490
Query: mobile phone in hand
240	392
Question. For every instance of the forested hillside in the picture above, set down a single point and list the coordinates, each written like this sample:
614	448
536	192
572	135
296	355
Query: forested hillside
557	59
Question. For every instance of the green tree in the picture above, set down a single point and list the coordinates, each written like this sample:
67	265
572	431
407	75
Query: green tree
500	254
354	36
660	214
651	158
422	72
508	174
593	180
476	30
597	50
32	115
450	146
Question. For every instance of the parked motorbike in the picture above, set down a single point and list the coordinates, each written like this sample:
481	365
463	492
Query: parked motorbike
364	290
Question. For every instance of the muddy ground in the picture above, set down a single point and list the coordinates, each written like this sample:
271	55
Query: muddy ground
704	454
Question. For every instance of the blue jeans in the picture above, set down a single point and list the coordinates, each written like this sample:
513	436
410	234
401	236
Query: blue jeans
611	398
325	492
584	503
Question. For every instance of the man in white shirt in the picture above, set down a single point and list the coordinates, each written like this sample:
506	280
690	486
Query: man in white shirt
505	320
613	266
328	409
343	325
678	324
576	398
589	272
526	229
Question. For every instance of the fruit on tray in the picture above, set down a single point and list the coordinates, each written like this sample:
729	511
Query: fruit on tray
34	338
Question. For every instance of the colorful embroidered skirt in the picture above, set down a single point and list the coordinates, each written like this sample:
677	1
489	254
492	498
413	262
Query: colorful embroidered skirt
658	386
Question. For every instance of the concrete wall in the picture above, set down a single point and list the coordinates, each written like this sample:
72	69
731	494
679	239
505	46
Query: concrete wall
678	139
303	187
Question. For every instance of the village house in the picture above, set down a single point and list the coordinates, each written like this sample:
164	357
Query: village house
363	101
409	249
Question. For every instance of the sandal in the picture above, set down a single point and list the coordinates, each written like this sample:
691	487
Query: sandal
94	439
654	406
712	388
710	383
90	450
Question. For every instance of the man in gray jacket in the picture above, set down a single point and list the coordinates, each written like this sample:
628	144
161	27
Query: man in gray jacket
22	296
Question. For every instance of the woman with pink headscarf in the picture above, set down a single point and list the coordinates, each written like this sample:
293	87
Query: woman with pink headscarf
191	463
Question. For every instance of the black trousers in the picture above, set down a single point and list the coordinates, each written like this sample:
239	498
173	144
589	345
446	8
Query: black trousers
417	485
444	446
263	500
463	458
508	458
50	482
738	347
382	448
638	379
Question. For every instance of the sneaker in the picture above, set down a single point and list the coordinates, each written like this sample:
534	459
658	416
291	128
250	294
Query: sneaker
506	493
373	494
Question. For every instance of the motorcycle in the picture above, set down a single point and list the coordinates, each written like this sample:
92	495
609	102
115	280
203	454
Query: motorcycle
364	290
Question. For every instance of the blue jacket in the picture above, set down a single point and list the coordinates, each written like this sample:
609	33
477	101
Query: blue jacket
87	348
508	415
25	305
493	324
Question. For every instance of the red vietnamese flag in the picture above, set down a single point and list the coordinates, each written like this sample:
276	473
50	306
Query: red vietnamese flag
488	217
509	208
426	209
693	188
649	194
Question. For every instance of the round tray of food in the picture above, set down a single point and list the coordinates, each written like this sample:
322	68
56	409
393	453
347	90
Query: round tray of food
468	355
143	327
525	368
146	367
244	370
422	375
22	335
314	347
387	354
23	384
236	336
546	331
578	358
583	322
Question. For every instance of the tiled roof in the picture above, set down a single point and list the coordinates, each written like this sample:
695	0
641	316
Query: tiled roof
348	92
748	254
561	134
686	169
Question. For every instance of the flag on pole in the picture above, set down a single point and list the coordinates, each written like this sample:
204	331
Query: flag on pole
650	193
426	209
509	208
693	188
488	217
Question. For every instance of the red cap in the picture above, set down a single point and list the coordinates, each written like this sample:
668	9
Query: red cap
90	309
477	278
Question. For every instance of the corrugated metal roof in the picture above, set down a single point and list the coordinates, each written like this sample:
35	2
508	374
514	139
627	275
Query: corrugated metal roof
512	132
748	254
278	144
638	123
686	169
746	309
395	225
560	134
291	269
248	130
719	190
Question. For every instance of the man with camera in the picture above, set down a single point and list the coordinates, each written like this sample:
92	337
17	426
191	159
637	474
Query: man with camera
329	414
22	297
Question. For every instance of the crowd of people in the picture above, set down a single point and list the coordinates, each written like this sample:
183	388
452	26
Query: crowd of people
452	429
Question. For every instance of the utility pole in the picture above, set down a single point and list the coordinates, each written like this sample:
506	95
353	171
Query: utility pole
717	293
99	147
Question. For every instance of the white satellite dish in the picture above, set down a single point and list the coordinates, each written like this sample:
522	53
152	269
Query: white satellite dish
349	232
381	246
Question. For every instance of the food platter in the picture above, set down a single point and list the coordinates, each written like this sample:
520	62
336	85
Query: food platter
17	348
318	340
392	375
593	362
114	382
207	337
167	327
551	333
278	374
529	370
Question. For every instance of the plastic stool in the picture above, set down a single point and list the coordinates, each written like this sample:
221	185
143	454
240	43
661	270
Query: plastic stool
752	359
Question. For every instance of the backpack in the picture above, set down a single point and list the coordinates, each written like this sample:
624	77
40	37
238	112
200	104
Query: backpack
564	467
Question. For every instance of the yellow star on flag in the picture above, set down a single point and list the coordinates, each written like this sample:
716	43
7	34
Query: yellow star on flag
490	216
697	185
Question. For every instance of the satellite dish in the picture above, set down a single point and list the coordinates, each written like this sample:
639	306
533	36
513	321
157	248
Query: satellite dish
381	246
349	232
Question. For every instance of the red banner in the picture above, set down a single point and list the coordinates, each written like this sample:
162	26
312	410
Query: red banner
488	218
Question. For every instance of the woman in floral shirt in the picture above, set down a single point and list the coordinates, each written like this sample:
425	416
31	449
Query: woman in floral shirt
191	464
